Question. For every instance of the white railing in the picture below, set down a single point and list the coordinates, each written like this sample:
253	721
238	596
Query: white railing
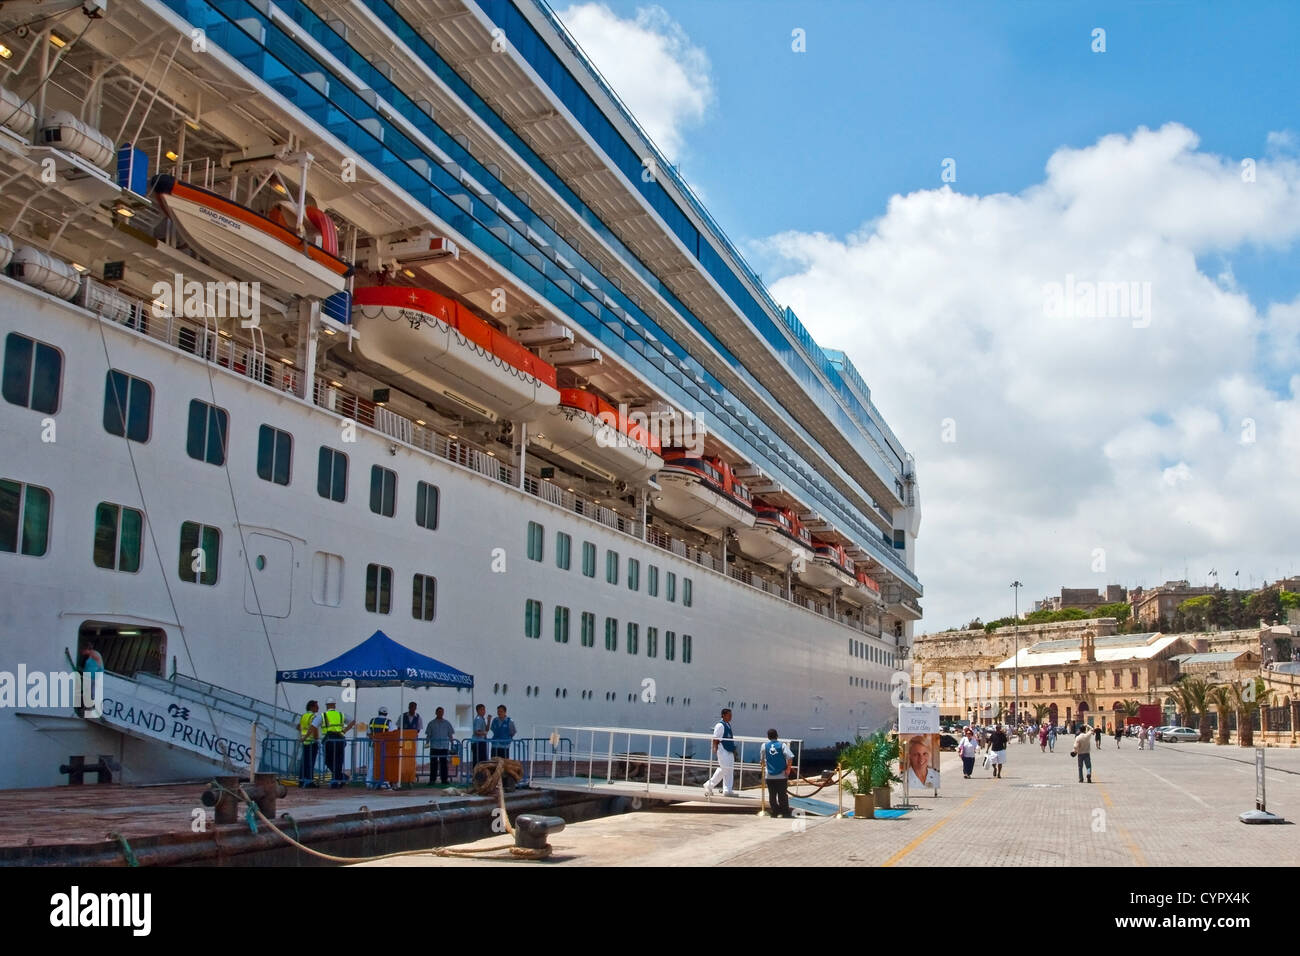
652	760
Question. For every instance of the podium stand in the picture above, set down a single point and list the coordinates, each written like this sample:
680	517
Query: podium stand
394	756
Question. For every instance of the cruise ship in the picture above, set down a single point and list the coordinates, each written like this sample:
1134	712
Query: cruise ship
332	317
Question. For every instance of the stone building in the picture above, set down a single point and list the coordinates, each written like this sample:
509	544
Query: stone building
1150	606
1086	599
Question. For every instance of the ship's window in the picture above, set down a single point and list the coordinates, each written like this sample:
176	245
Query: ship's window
327	579
900	539
24	518
379	589
686	648
128	406
563	549
532	618
588	559
652	642
561	625
208	427
332	474
670	645
687	588
588	629
536	542
611	634
611	567
424	597
633	638
383	491
652	581
200	553
426	505
274	454
670	592
117	537
32	374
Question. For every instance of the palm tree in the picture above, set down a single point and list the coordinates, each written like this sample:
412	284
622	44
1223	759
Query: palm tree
1040	713
1248	697
1193	699
1131	708
1221	697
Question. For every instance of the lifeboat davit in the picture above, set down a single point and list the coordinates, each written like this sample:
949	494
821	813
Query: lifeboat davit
777	538
830	568
703	493
251	245
442	348
589	432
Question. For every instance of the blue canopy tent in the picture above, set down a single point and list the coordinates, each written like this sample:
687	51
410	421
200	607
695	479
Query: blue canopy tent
379	661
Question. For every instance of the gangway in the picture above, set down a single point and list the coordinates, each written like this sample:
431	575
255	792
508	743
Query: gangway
660	765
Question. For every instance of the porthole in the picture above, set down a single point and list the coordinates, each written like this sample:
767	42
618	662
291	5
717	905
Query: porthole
496	688
505	688
261	562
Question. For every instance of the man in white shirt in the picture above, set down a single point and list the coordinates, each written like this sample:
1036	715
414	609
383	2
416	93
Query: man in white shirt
1083	751
724	748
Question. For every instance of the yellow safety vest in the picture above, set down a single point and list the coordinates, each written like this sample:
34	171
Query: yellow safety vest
379	725
333	722
304	726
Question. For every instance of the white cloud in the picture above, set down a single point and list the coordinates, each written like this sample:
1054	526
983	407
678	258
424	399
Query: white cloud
1165	444
652	65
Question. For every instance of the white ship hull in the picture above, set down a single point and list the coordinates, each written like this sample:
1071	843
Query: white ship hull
799	683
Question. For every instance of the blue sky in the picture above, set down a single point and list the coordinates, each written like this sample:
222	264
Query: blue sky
1089	449
885	92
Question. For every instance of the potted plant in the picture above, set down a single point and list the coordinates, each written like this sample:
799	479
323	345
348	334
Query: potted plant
870	761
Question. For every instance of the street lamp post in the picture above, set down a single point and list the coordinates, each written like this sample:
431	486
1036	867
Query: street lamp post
1015	588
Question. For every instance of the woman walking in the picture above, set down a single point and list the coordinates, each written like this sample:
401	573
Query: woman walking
966	749
1042	738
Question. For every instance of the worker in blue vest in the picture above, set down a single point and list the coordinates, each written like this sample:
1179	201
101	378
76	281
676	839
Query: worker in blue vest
335	725
379	724
724	748
777	761
309	737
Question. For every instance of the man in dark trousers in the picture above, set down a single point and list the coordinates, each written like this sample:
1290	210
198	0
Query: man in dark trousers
998	749
1096	733
778	760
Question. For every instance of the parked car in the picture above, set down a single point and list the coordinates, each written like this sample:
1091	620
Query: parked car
947	742
1175	734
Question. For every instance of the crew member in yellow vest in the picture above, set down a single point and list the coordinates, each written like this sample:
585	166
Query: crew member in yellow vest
336	724
378	725
309	737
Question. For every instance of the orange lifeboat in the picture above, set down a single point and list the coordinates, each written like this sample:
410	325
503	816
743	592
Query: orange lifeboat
702	493
453	357
589	432
777	538
830	568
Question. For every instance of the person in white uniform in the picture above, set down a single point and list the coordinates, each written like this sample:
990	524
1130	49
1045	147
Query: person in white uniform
919	772
724	748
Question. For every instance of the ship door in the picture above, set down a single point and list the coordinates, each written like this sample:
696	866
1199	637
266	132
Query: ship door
268	589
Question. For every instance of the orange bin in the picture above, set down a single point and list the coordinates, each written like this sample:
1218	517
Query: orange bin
394	755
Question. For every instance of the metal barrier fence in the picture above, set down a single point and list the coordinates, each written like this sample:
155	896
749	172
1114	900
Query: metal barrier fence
654	758
283	756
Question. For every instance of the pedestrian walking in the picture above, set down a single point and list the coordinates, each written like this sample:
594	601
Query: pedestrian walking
441	736
1096	732
1042	738
503	731
1051	738
998	750
967	748
1083	752
778	760
1151	738
1119	735
309	736
724	748
479	733
1142	737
